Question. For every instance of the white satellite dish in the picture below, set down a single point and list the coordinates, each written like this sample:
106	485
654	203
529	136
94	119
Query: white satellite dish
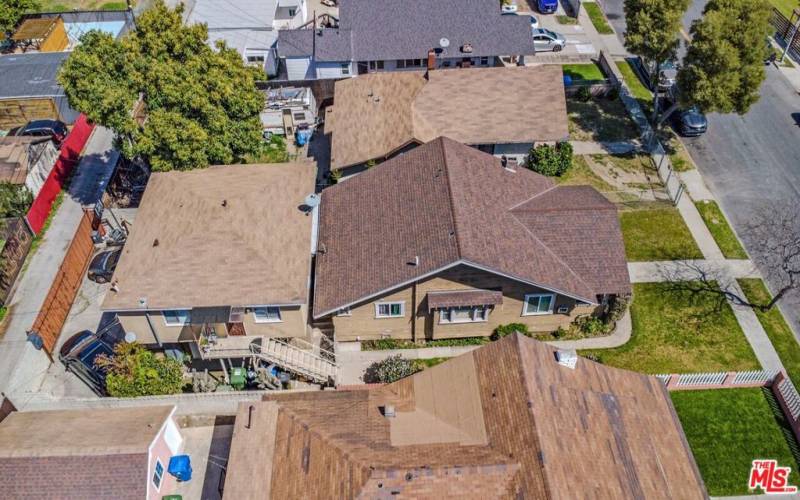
444	43
130	337
312	200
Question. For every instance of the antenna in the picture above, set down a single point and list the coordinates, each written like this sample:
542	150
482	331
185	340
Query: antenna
444	43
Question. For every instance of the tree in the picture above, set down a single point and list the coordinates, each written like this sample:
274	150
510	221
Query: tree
773	235
170	98
390	370
724	64
134	371
11	11
550	160
653	30
15	199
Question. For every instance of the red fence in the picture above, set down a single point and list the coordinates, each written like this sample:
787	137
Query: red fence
69	157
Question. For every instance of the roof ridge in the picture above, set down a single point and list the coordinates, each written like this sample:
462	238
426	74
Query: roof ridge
451	201
540	193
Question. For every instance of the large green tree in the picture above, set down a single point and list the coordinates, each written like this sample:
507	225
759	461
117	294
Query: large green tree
724	64
194	105
653	32
11	11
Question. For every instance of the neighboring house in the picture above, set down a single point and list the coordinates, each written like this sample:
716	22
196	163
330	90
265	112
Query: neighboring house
288	108
29	90
502	111
27	160
511	420
120	453
444	241
249	26
387	35
217	253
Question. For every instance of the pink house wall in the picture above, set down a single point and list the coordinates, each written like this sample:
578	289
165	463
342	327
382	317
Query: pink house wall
160	450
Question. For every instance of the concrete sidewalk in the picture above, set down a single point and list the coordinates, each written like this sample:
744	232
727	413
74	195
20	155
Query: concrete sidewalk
653	272
604	148
22	367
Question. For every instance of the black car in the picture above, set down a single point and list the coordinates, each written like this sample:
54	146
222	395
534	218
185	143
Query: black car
54	129
690	122
103	264
78	354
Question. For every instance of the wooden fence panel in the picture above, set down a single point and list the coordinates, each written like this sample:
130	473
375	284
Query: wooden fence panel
65	286
19	238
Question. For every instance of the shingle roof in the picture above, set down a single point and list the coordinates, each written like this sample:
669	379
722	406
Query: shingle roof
328	44
449	203
221	236
504	421
31	75
377	114
408	29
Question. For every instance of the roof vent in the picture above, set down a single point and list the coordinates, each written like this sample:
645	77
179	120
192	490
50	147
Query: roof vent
414	261
466	48
444	42
322	248
389	411
568	358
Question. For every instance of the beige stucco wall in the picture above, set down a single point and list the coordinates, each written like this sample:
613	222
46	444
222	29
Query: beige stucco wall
363	325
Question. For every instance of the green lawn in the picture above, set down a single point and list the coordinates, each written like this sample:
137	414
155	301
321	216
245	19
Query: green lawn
580	174
421	364
729	428
674	332
637	88
776	327
598	18
588	71
68	5
720	229
561	19
657	234
785	6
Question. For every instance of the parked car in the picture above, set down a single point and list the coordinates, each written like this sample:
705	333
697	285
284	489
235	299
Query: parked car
667	76
78	354
544	40
534	23
103	264
54	129
547	6
690	122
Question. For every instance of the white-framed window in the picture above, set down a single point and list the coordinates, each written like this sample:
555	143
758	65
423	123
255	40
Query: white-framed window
292	12
375	65
345	68
345	311
158	474
465	314
177	317
267	314
484	61
538	303
390	309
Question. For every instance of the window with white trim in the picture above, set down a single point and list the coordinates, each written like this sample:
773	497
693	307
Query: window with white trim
538	303
177	317
464	314
267	314
390	309
158	474
484	61
292	12
345	68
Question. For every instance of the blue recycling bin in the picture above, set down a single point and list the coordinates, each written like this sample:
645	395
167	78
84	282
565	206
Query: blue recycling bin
180	466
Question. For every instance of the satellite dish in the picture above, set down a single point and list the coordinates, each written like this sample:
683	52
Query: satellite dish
130	337
444	42
312	200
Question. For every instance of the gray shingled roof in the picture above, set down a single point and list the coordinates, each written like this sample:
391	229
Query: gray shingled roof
408	29
31	75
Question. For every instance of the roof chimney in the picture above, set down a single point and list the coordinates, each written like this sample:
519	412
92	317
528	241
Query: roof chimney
431	60
567	357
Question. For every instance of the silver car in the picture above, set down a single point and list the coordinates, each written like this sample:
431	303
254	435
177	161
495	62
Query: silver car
544	40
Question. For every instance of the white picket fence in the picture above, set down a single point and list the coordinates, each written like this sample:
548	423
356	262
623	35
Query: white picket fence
718	379
790	397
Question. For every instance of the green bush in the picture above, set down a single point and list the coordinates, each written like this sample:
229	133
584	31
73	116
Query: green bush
385	344
135	371
15	200
583	94
505	330
550	160
390	370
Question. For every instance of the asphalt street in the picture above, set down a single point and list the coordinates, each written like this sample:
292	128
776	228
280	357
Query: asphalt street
748	159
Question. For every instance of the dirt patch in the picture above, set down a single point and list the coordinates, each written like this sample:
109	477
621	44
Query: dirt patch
632	176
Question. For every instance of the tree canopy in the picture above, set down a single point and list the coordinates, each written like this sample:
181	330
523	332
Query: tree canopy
724	64
134	371
653	28
11	11
199	106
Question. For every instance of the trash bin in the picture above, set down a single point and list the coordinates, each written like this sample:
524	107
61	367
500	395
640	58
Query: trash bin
181	467
172	497
238	378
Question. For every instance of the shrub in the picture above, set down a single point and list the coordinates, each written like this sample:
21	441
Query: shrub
504	330
550	160
583	94
613	94
591	325
390	370
336	176
15	199
135	371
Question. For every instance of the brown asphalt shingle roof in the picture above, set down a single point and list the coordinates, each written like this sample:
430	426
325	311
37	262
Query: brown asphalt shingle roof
222	236
448	203
504	421
379	113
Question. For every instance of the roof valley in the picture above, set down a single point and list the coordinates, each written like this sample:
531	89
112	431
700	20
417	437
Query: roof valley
451	202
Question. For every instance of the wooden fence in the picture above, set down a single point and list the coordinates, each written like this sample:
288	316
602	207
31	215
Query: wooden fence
784	30
55	309
18	237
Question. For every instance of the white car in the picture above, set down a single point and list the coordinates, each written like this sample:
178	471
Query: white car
544	40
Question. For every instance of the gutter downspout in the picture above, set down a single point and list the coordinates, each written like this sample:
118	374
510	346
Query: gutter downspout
152	328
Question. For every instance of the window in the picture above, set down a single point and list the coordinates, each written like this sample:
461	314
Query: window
390	310
375	65
292	12
177	317
299	116
267	314
538	303
158	474
466	314
256	59
345	311
484	61
345	68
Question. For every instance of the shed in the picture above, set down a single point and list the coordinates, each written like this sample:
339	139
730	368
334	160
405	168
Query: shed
29	89
44	35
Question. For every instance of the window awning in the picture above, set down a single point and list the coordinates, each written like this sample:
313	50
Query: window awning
459	298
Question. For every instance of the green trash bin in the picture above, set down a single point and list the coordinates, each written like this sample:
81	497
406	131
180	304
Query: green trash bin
238	378
172	497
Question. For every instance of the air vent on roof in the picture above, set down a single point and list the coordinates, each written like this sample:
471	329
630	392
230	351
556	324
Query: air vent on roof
466	48
389	411
568	358
312	200
444	42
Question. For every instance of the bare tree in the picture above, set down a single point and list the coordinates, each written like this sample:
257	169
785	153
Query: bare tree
773	235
